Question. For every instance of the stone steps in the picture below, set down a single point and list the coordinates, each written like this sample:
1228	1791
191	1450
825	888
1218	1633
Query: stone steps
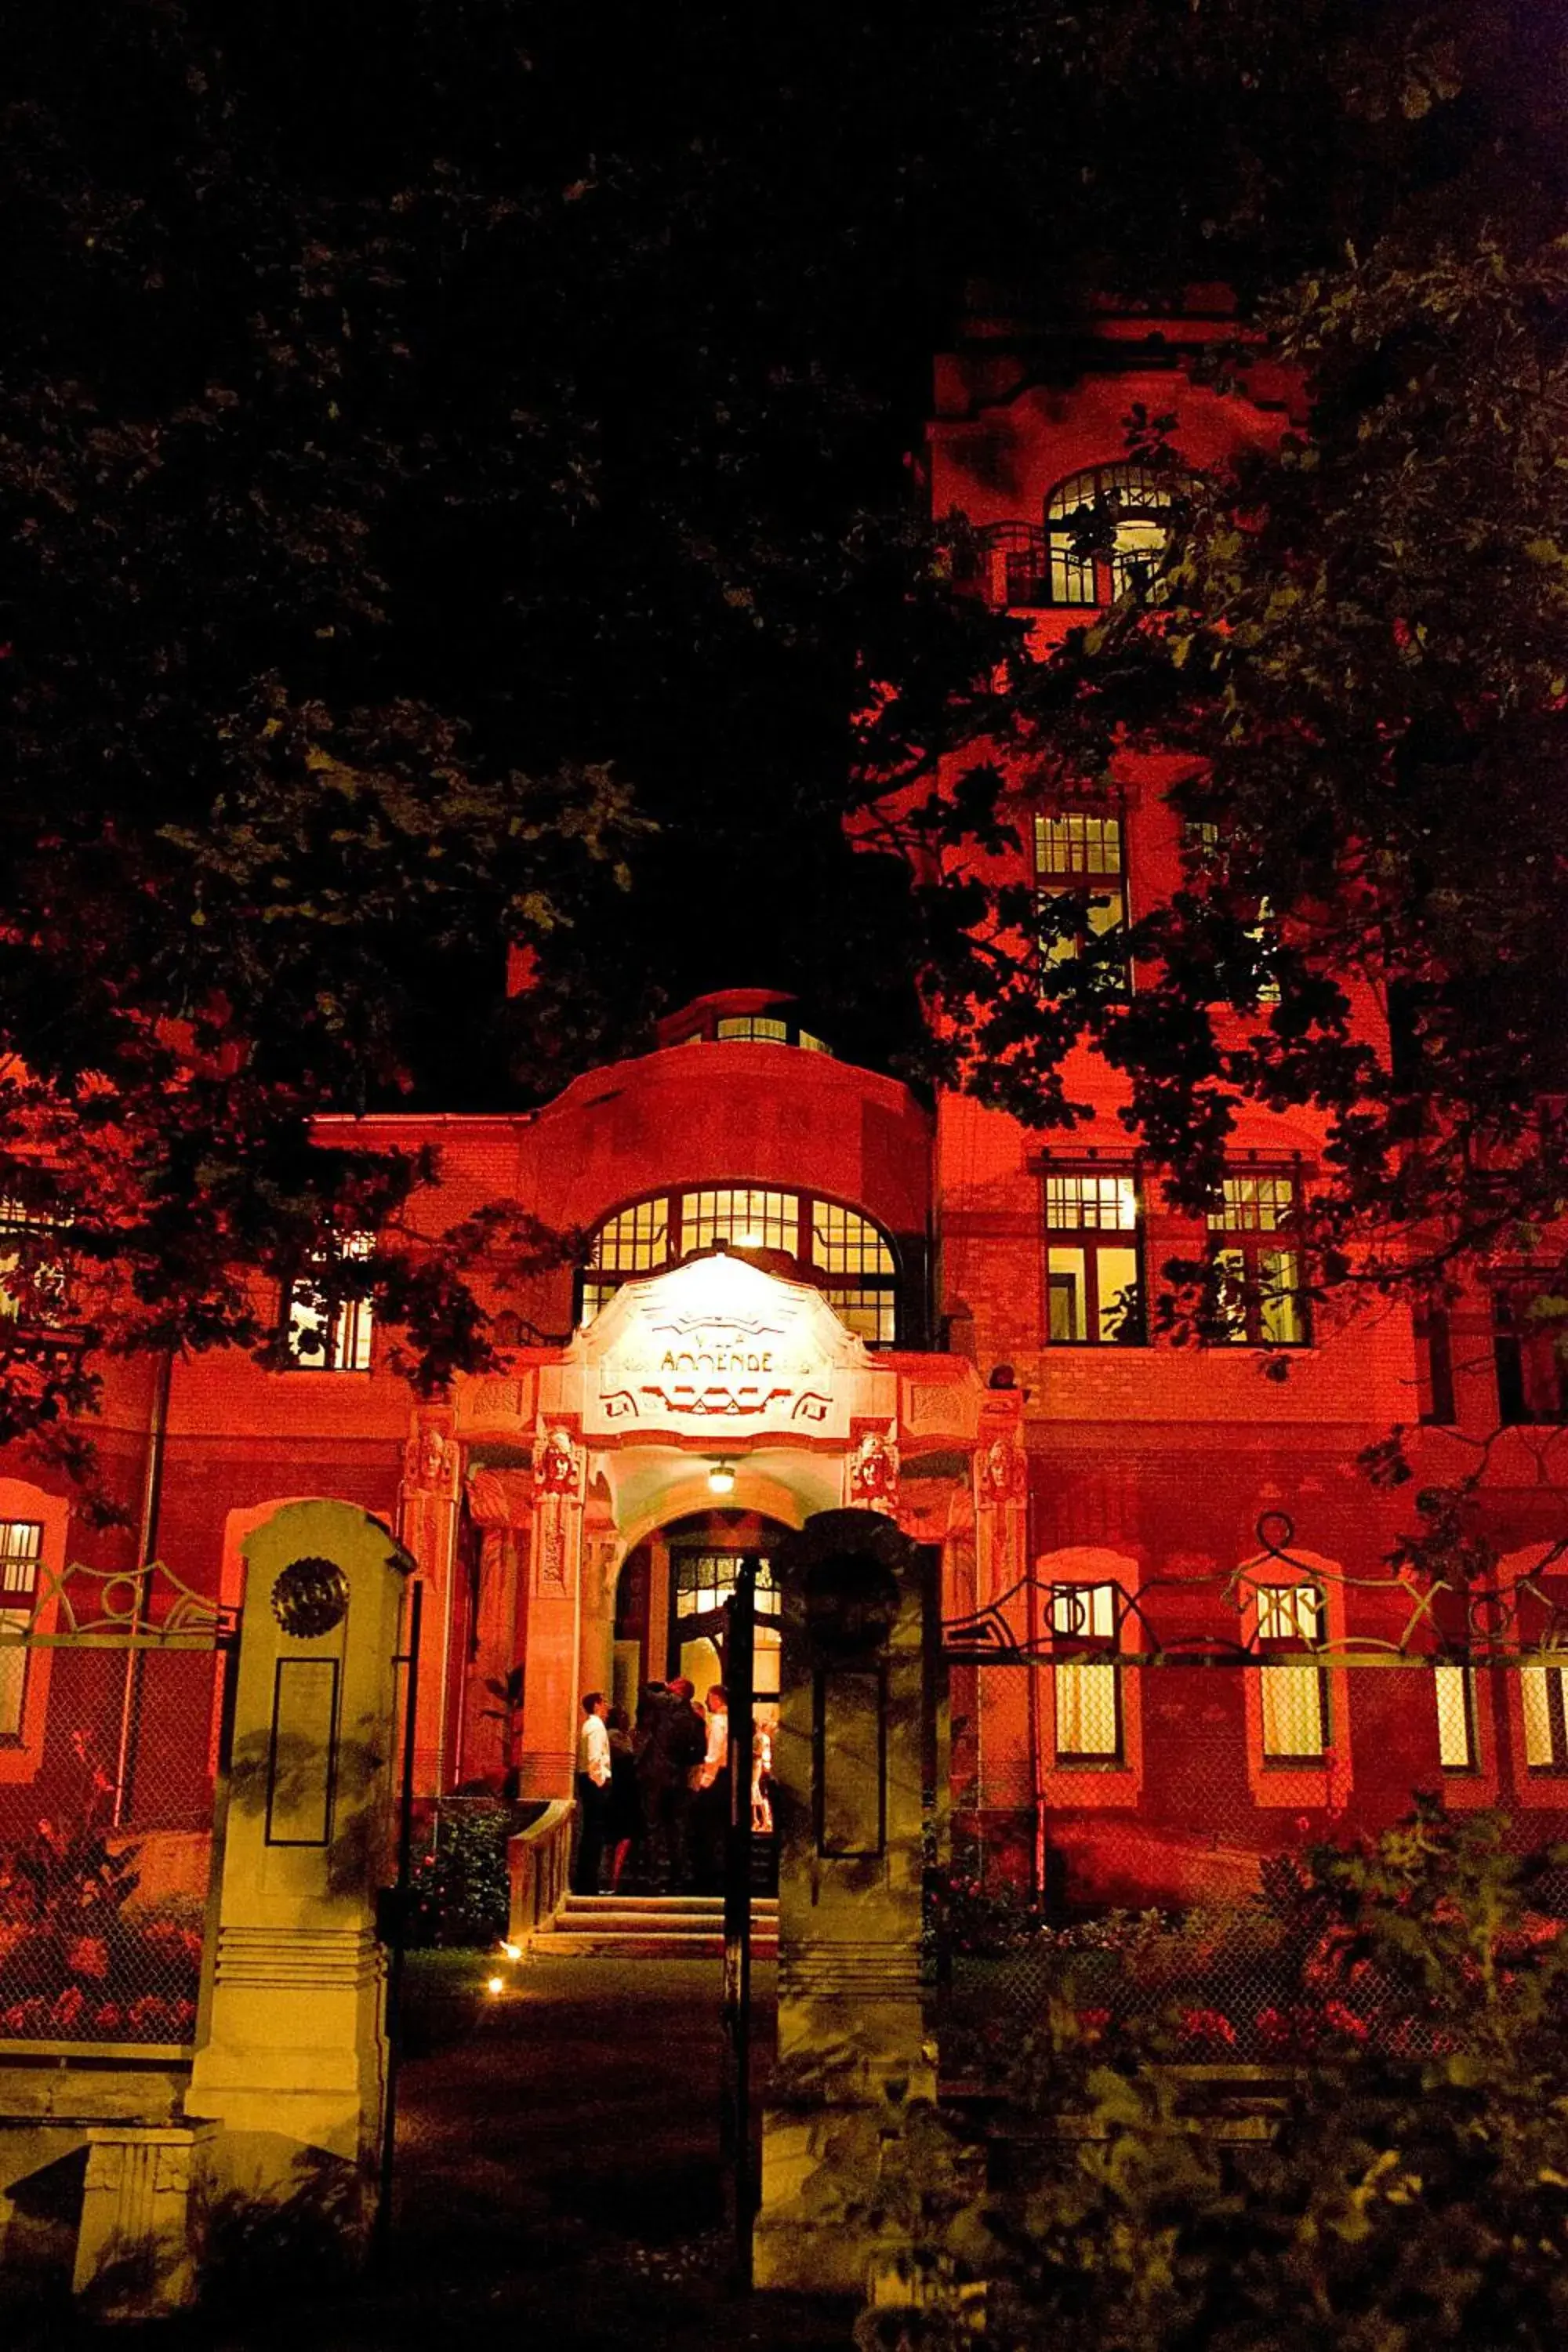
651	1927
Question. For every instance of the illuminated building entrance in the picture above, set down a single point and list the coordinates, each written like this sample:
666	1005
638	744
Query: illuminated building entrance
578	1514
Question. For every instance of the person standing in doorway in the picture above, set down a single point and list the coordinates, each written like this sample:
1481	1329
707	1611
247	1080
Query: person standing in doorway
594	1774
710	1811
680	1735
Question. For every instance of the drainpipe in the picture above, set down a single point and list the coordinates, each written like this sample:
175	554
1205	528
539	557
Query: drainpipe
146	1542
1037	1794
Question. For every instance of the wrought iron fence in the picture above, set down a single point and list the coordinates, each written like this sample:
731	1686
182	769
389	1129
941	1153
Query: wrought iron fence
107	1786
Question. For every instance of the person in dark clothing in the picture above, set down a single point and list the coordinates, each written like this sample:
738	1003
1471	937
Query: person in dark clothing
623	1820
671	1744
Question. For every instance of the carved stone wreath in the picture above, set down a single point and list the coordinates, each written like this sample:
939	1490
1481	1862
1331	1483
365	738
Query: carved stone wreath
311	1597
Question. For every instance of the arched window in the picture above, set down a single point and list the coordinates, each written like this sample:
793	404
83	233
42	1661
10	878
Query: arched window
849	1258
1106	531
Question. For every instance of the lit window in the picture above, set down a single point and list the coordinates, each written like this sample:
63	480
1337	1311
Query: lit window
1434	1367
1258	1299
1082	886
760	1027
1294	1698
1454	1688
636	1242
845	1243
21	1548
871	1315
755	1220
821	1238
1106	531
1094	1289
328	1332
1086	1685
34	1283
1543	1691
1527	1350
706	1580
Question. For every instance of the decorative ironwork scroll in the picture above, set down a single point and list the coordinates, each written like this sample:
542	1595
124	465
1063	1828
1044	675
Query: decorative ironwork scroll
149	1608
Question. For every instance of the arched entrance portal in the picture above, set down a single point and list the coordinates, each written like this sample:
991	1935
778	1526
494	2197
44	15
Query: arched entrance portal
669	1602
607	1482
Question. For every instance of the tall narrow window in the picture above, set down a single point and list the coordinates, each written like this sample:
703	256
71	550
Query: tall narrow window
1094	1285
21	1548
1106	532
1434	1367
1294	1701
1531	1376
1543	1691
1258	1298
1086	1684
1454	1688
329	1329
1081	880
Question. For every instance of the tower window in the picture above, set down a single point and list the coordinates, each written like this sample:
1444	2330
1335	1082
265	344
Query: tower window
1094	1284
1107	529
837	1249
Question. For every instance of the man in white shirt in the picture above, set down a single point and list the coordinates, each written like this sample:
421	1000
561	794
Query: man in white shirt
593	1793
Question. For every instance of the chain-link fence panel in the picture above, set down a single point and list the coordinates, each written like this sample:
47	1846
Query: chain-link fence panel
106	1841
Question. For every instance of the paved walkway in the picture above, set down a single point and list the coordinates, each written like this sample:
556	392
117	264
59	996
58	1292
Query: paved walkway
558	2181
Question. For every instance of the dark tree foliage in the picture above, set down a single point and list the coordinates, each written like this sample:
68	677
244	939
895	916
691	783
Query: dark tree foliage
452	458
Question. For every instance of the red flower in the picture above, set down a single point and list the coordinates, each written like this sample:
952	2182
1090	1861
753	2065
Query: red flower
1345	2020
88	1956
69	2007
1207	2025
108	2019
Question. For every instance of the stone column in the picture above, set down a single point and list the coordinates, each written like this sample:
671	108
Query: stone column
290	2057
856	1747
1007	1773
427	1528
548	1754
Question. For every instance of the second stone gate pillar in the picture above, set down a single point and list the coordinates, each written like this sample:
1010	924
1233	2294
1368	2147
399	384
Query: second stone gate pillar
858	1765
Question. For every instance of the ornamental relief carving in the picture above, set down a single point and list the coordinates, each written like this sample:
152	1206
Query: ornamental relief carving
431	1460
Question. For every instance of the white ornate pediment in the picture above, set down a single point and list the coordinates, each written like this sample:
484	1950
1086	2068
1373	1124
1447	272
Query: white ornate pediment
718	1347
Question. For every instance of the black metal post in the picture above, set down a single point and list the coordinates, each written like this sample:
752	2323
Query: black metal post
393	1926
735	2115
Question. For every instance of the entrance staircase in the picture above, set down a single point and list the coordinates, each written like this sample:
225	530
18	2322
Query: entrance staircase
651	1927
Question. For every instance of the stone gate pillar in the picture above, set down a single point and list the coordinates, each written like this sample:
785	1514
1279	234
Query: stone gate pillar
855	1765
290	2057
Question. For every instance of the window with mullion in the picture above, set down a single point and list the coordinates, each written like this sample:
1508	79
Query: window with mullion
34	1284
1086	1682
1107	527
21	1554
1080	881
1257	1298
1094	1272
328	1327
1293	1688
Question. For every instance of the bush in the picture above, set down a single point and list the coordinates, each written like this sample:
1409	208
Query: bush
461	1895
1413	2193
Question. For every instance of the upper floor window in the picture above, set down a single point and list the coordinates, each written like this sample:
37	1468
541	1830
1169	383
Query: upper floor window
327	1328
1106	531
842	1253
1082	879
1257	1298
1531	1375
1086	1683
21	1556
1294	1709
1094	1284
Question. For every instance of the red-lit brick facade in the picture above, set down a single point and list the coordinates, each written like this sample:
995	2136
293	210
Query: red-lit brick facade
985	1374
